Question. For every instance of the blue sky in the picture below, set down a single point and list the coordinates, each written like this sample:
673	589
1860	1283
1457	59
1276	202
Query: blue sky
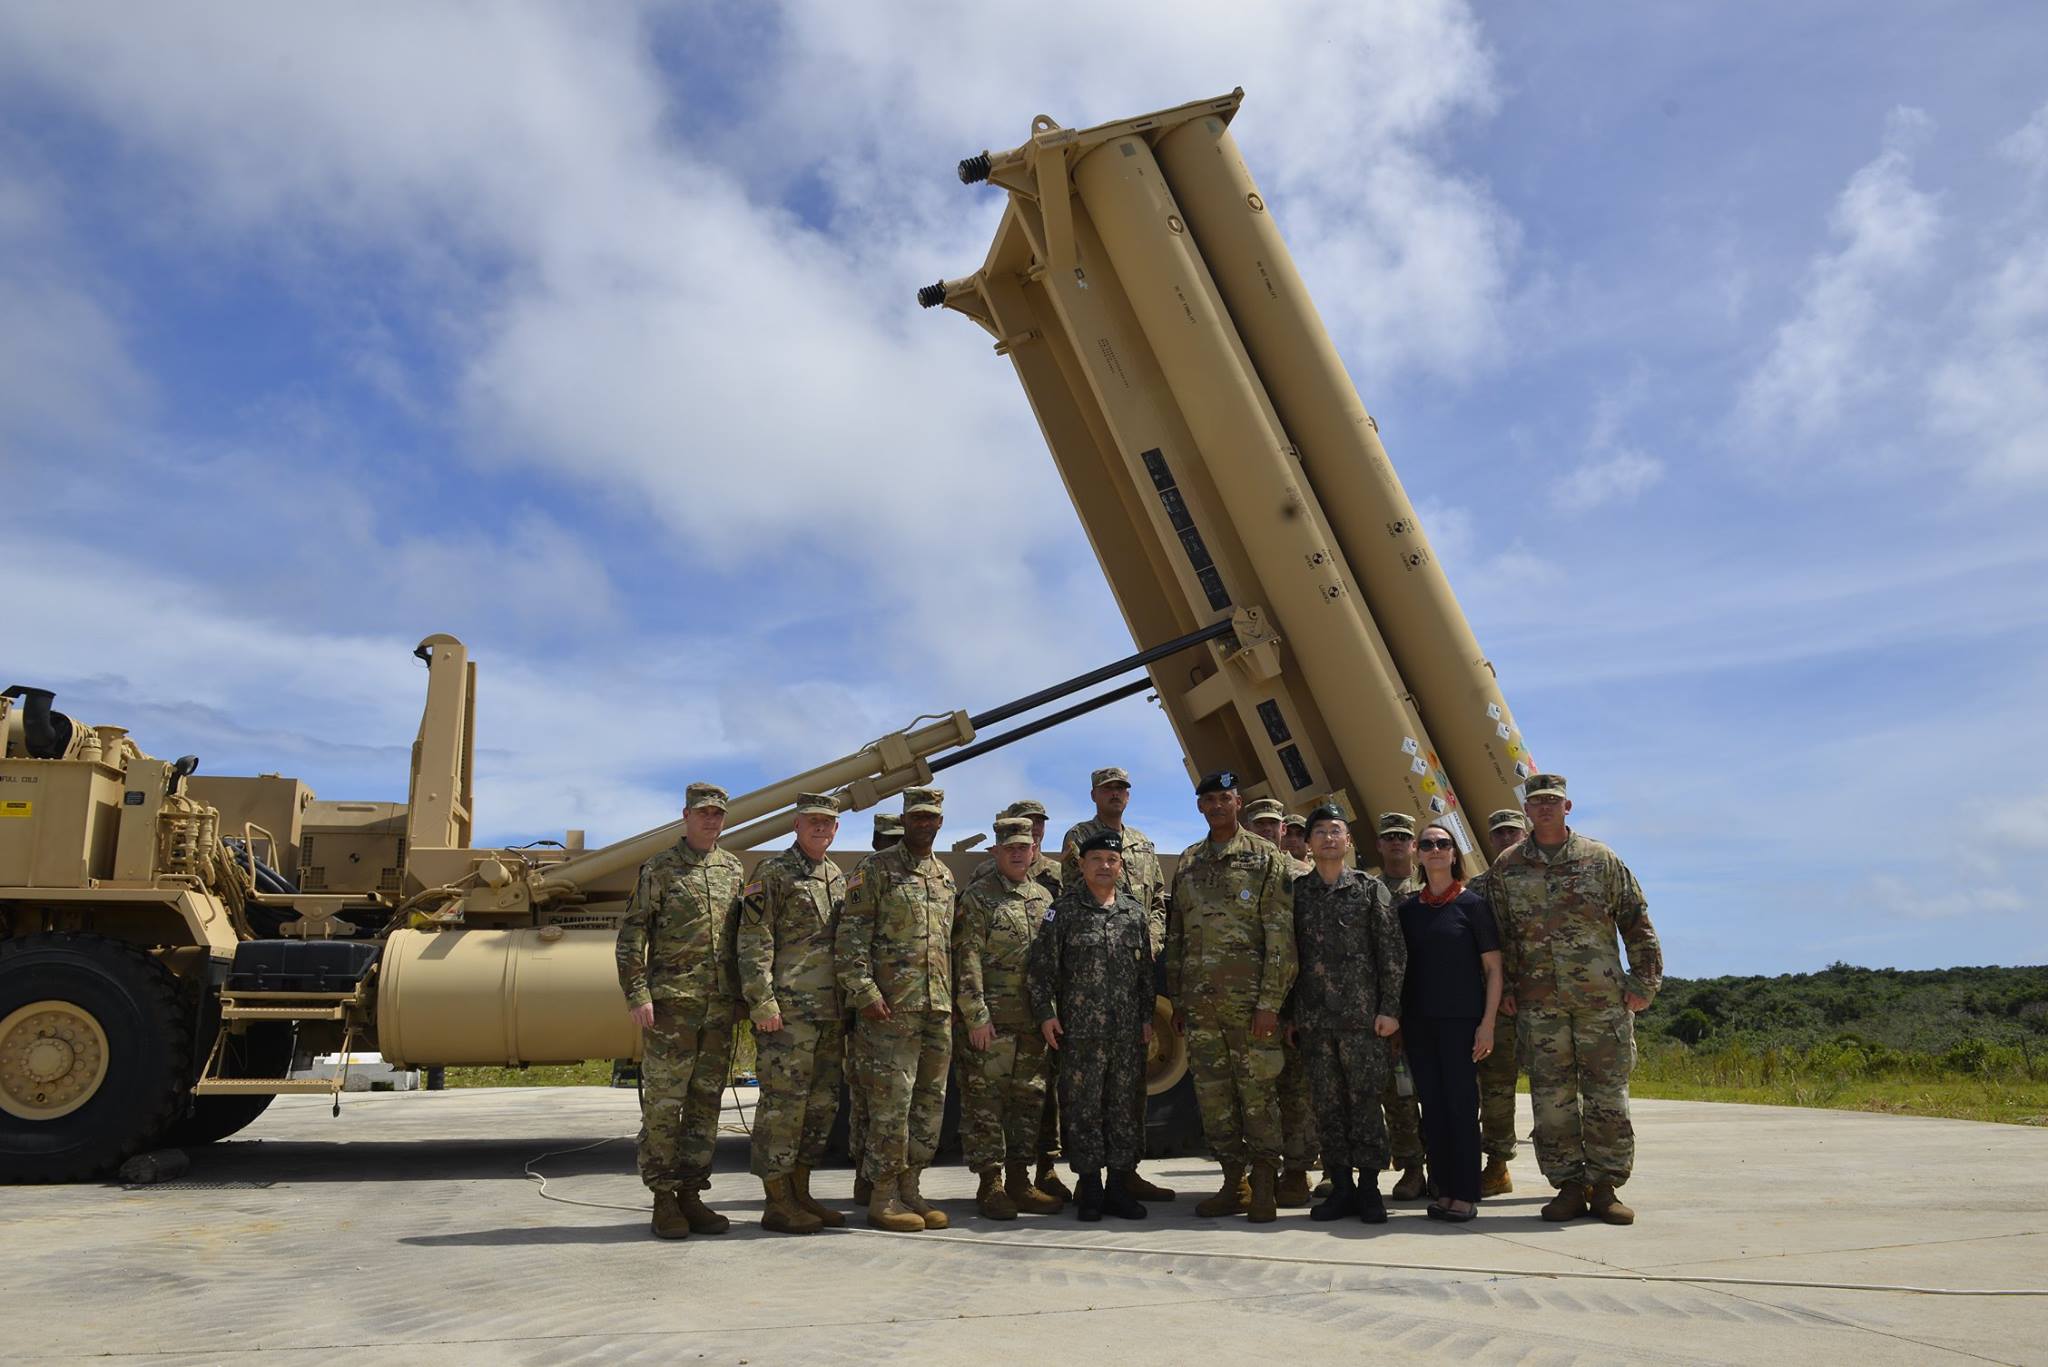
1712	344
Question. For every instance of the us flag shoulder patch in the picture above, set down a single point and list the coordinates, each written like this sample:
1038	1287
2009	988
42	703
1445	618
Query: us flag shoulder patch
752	889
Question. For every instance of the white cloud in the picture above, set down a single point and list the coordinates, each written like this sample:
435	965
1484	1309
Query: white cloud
1618	477
1912	900
1824	356
2020	825
1988	401
2027	145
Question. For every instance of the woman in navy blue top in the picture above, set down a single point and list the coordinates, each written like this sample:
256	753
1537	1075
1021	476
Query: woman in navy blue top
1447	1009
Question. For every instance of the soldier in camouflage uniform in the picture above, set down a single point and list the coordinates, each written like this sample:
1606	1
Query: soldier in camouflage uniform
888	835
1267	818
1561	900
1504	829
675	967
1110	789
1091	985
1043	869
1353	960
998	1053
1400	877
894	958
1294	837
1229	965
788	917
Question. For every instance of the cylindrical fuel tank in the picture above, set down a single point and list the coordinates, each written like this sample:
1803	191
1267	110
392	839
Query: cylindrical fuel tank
1405	587
537	995
1240	440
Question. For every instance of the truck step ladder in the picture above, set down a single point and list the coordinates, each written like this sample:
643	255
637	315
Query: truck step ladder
348	1007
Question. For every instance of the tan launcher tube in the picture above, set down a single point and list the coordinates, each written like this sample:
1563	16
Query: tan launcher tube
897	760
1241	442
1405	587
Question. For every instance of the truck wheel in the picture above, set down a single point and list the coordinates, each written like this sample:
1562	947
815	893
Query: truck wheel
264	1050
94	1053
1173	1119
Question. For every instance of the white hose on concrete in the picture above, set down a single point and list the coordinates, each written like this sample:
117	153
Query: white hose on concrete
1153	1251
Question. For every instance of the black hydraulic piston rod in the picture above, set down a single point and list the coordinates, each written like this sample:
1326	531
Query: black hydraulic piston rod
1045	723
1096	676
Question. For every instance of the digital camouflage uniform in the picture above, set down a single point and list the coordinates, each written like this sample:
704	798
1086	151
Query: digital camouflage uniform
1230	951
1002	1087
895	945
1091	968
1404	1114
788	917
675	950
1353	962
1497	1071
1559	915
1142	877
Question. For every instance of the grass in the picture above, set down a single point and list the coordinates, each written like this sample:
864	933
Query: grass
1993	1084
593	1073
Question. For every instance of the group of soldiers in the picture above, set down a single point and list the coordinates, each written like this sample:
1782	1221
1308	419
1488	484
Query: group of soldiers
1033	987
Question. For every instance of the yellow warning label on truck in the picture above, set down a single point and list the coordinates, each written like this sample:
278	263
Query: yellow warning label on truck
8	809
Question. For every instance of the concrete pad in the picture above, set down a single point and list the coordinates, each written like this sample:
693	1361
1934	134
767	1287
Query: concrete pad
406	1231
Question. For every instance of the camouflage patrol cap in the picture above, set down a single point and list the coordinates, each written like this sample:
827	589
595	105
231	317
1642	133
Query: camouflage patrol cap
1222	781
888	823
816	804
1507	816
1013	830
1113	841
1112	774
1025	807
924	800
1396	823
705	795
1544	785
1295	820
1265	807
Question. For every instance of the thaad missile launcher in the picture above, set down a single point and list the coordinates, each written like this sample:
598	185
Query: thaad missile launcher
1225	467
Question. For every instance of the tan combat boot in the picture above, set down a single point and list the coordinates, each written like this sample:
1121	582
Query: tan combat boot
863	1190
1232	1197
1607	1206
1568	1204
1026	1196
907	1192
703	1219
1495	1180
1292	1190
1137	1186
782	1212
1414	1182
887	1211
1262	1209
1048	1180
668	1217
991	1200
800	1187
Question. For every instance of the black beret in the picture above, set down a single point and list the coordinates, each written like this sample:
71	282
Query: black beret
1329	811
1222	781
1113	841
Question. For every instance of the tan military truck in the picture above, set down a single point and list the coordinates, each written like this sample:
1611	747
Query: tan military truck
171	942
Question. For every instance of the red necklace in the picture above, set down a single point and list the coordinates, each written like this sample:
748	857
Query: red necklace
1450	894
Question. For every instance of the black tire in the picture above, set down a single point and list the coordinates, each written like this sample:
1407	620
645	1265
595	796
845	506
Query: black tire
264	1050
137	1006
1173	1122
